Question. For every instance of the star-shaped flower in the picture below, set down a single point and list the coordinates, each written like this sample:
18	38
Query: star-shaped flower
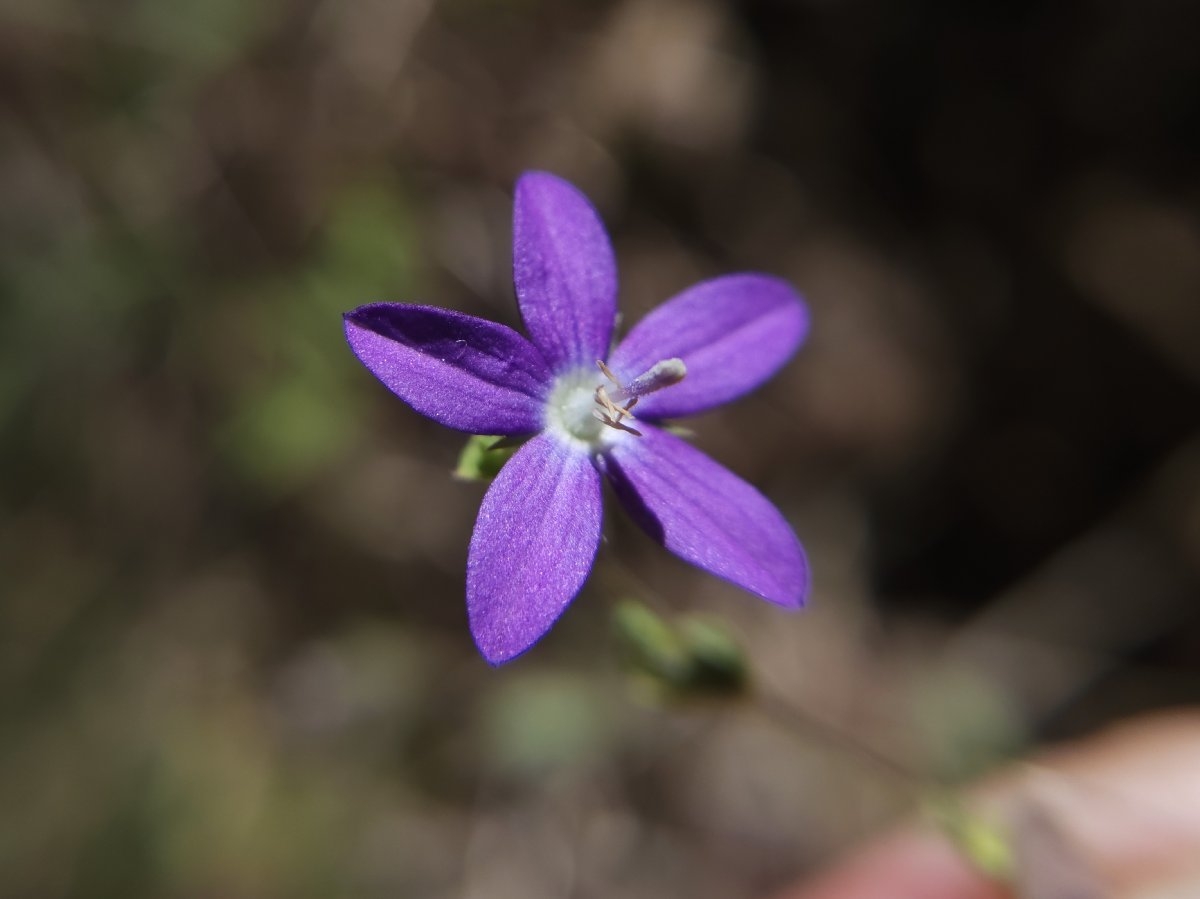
592	414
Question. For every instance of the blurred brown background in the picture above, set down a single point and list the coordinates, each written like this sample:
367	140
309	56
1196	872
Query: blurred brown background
234	654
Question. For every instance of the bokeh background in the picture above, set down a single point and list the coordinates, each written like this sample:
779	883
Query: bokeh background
234	656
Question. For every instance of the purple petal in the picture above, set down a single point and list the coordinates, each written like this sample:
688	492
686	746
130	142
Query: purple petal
733	333
533	546
564	271
708	516
463	372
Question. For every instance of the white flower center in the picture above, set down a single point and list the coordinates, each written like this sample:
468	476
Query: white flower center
584	410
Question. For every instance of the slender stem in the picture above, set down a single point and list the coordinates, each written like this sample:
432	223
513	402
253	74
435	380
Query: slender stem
804	723
800	722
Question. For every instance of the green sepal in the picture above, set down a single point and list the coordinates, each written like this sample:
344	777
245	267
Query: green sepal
483	456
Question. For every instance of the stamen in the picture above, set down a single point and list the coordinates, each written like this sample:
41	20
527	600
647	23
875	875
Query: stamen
611	413
616	423
607	372
615	411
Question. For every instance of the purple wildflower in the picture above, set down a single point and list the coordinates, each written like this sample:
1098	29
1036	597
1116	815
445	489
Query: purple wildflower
539	526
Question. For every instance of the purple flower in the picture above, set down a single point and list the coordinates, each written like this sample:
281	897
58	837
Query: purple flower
539	526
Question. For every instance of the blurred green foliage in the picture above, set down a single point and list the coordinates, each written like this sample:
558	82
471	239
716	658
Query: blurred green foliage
306	407
537	723
966	724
